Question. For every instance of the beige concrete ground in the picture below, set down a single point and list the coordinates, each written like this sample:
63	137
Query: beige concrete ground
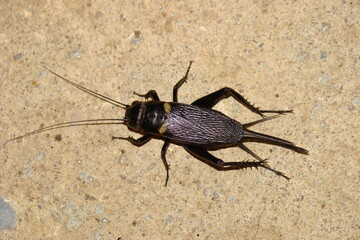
301	55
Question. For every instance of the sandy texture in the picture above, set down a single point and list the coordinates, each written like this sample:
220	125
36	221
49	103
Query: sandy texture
77	183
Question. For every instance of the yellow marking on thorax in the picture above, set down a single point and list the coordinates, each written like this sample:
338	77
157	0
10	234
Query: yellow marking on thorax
163	128
167	107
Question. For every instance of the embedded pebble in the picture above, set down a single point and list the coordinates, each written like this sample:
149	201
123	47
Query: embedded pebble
98	236
55	215
322	54
39	157
105	220
99	210
215	195
73	223
82	175
89	197
76	54
169	219
325	26
7	215
28	170
137	41
325	78
207	192
89	179
356	101
18	56
122	159
68	209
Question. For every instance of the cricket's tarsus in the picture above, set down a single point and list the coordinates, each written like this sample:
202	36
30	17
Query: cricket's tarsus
196	127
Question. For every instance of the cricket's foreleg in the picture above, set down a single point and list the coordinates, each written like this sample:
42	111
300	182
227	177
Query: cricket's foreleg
163	157
137	142
150	94
179	83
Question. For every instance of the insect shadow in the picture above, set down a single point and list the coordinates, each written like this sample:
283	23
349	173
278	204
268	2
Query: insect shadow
196	126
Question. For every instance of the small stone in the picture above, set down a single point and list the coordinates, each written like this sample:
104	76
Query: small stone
68	209
58	137
18	56
322	54
39	157
89	197
55	215
356	101
82	175
122	159
207	192
137	41
325	78
75	54
169	219
325	26
99	210
89	179
73	223
7	215
105	220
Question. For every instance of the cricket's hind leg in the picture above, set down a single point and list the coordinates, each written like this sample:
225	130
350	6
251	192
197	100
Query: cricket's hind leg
251	136
212	99
203	155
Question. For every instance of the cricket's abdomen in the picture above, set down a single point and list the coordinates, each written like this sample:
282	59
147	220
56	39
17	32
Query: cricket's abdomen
193	125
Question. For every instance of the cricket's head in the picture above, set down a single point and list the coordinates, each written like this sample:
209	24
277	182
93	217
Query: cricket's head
134	115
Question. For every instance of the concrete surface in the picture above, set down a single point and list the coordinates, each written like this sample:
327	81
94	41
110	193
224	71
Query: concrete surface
77	183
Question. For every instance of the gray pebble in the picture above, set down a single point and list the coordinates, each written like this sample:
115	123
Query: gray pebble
98	236
73	223
325	26
68	209
105	220
75	54
28	170
18	56
122	159
7	215
322	54
82	175
99	210
137	41
39	157
55	215
325	78
169	219
89	179
356	101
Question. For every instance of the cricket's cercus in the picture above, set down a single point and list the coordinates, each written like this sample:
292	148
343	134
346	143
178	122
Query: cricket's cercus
196	126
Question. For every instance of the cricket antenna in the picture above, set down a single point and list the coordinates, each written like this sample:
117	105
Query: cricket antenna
103	121
95	94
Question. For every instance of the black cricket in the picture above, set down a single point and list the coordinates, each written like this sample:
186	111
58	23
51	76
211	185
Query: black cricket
196	126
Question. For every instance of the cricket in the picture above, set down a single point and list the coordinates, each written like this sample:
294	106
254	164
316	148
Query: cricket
196	127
